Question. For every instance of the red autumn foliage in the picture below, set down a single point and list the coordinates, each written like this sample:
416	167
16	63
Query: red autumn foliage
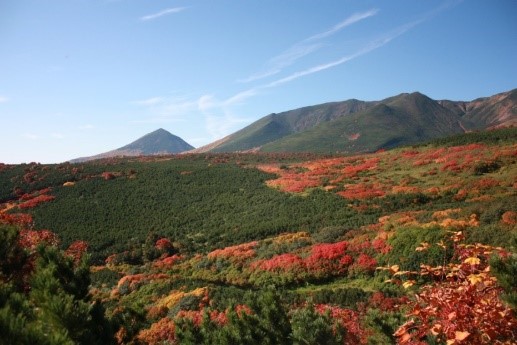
77	250
30	239
240	252
36	201
361	191
379	301
381	246
366	263
348	319
462	304
328	258
22	219
328	251
196	316
168	261
486	183
164	244
509	218
280	263
134	281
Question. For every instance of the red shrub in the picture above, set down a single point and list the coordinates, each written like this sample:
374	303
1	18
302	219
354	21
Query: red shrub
381	246
349	319
36	201
366	263
76	250
22	219
241	251
283	262
30	239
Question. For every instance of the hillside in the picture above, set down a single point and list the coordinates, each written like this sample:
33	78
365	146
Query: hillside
276	126
402	120
268	247
355	126
158	142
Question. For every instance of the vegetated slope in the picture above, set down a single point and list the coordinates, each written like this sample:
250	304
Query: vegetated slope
154	143
492	112
202	204
402	120
366	233
276	126
394	121
202	201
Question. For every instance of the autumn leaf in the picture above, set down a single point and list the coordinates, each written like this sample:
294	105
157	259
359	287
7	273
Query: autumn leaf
408	284
460	336
437	329
472	261
475	278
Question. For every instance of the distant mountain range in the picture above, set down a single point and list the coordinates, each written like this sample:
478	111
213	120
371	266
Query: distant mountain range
154	143
355	126
351	126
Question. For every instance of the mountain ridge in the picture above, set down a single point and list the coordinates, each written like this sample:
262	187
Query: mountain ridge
407	118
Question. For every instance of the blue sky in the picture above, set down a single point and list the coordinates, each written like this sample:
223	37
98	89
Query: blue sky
81	77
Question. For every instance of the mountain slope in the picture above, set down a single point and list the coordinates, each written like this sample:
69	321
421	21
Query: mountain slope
157	142
492	112
358	126
276	126
404	119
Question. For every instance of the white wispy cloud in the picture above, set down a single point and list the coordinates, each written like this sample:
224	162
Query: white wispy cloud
166	109
354	18
162	13
375	44
305	47
4	99
285	59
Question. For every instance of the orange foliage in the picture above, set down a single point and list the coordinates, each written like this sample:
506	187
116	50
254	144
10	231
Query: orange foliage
159	333
168	261
361	191
77	250
30	239
36	201
509	218
242	251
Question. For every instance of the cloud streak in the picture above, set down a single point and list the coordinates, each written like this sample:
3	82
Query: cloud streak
366	49
305	47
4	99
165	12
354	18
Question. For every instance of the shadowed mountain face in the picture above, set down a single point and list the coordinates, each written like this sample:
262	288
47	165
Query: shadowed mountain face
154	143
358	126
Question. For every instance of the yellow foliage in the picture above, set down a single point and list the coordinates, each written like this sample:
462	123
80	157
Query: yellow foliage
291	237
472	261
173	298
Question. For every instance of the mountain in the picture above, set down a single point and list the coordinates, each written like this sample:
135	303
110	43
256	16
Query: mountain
154	143
359	126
